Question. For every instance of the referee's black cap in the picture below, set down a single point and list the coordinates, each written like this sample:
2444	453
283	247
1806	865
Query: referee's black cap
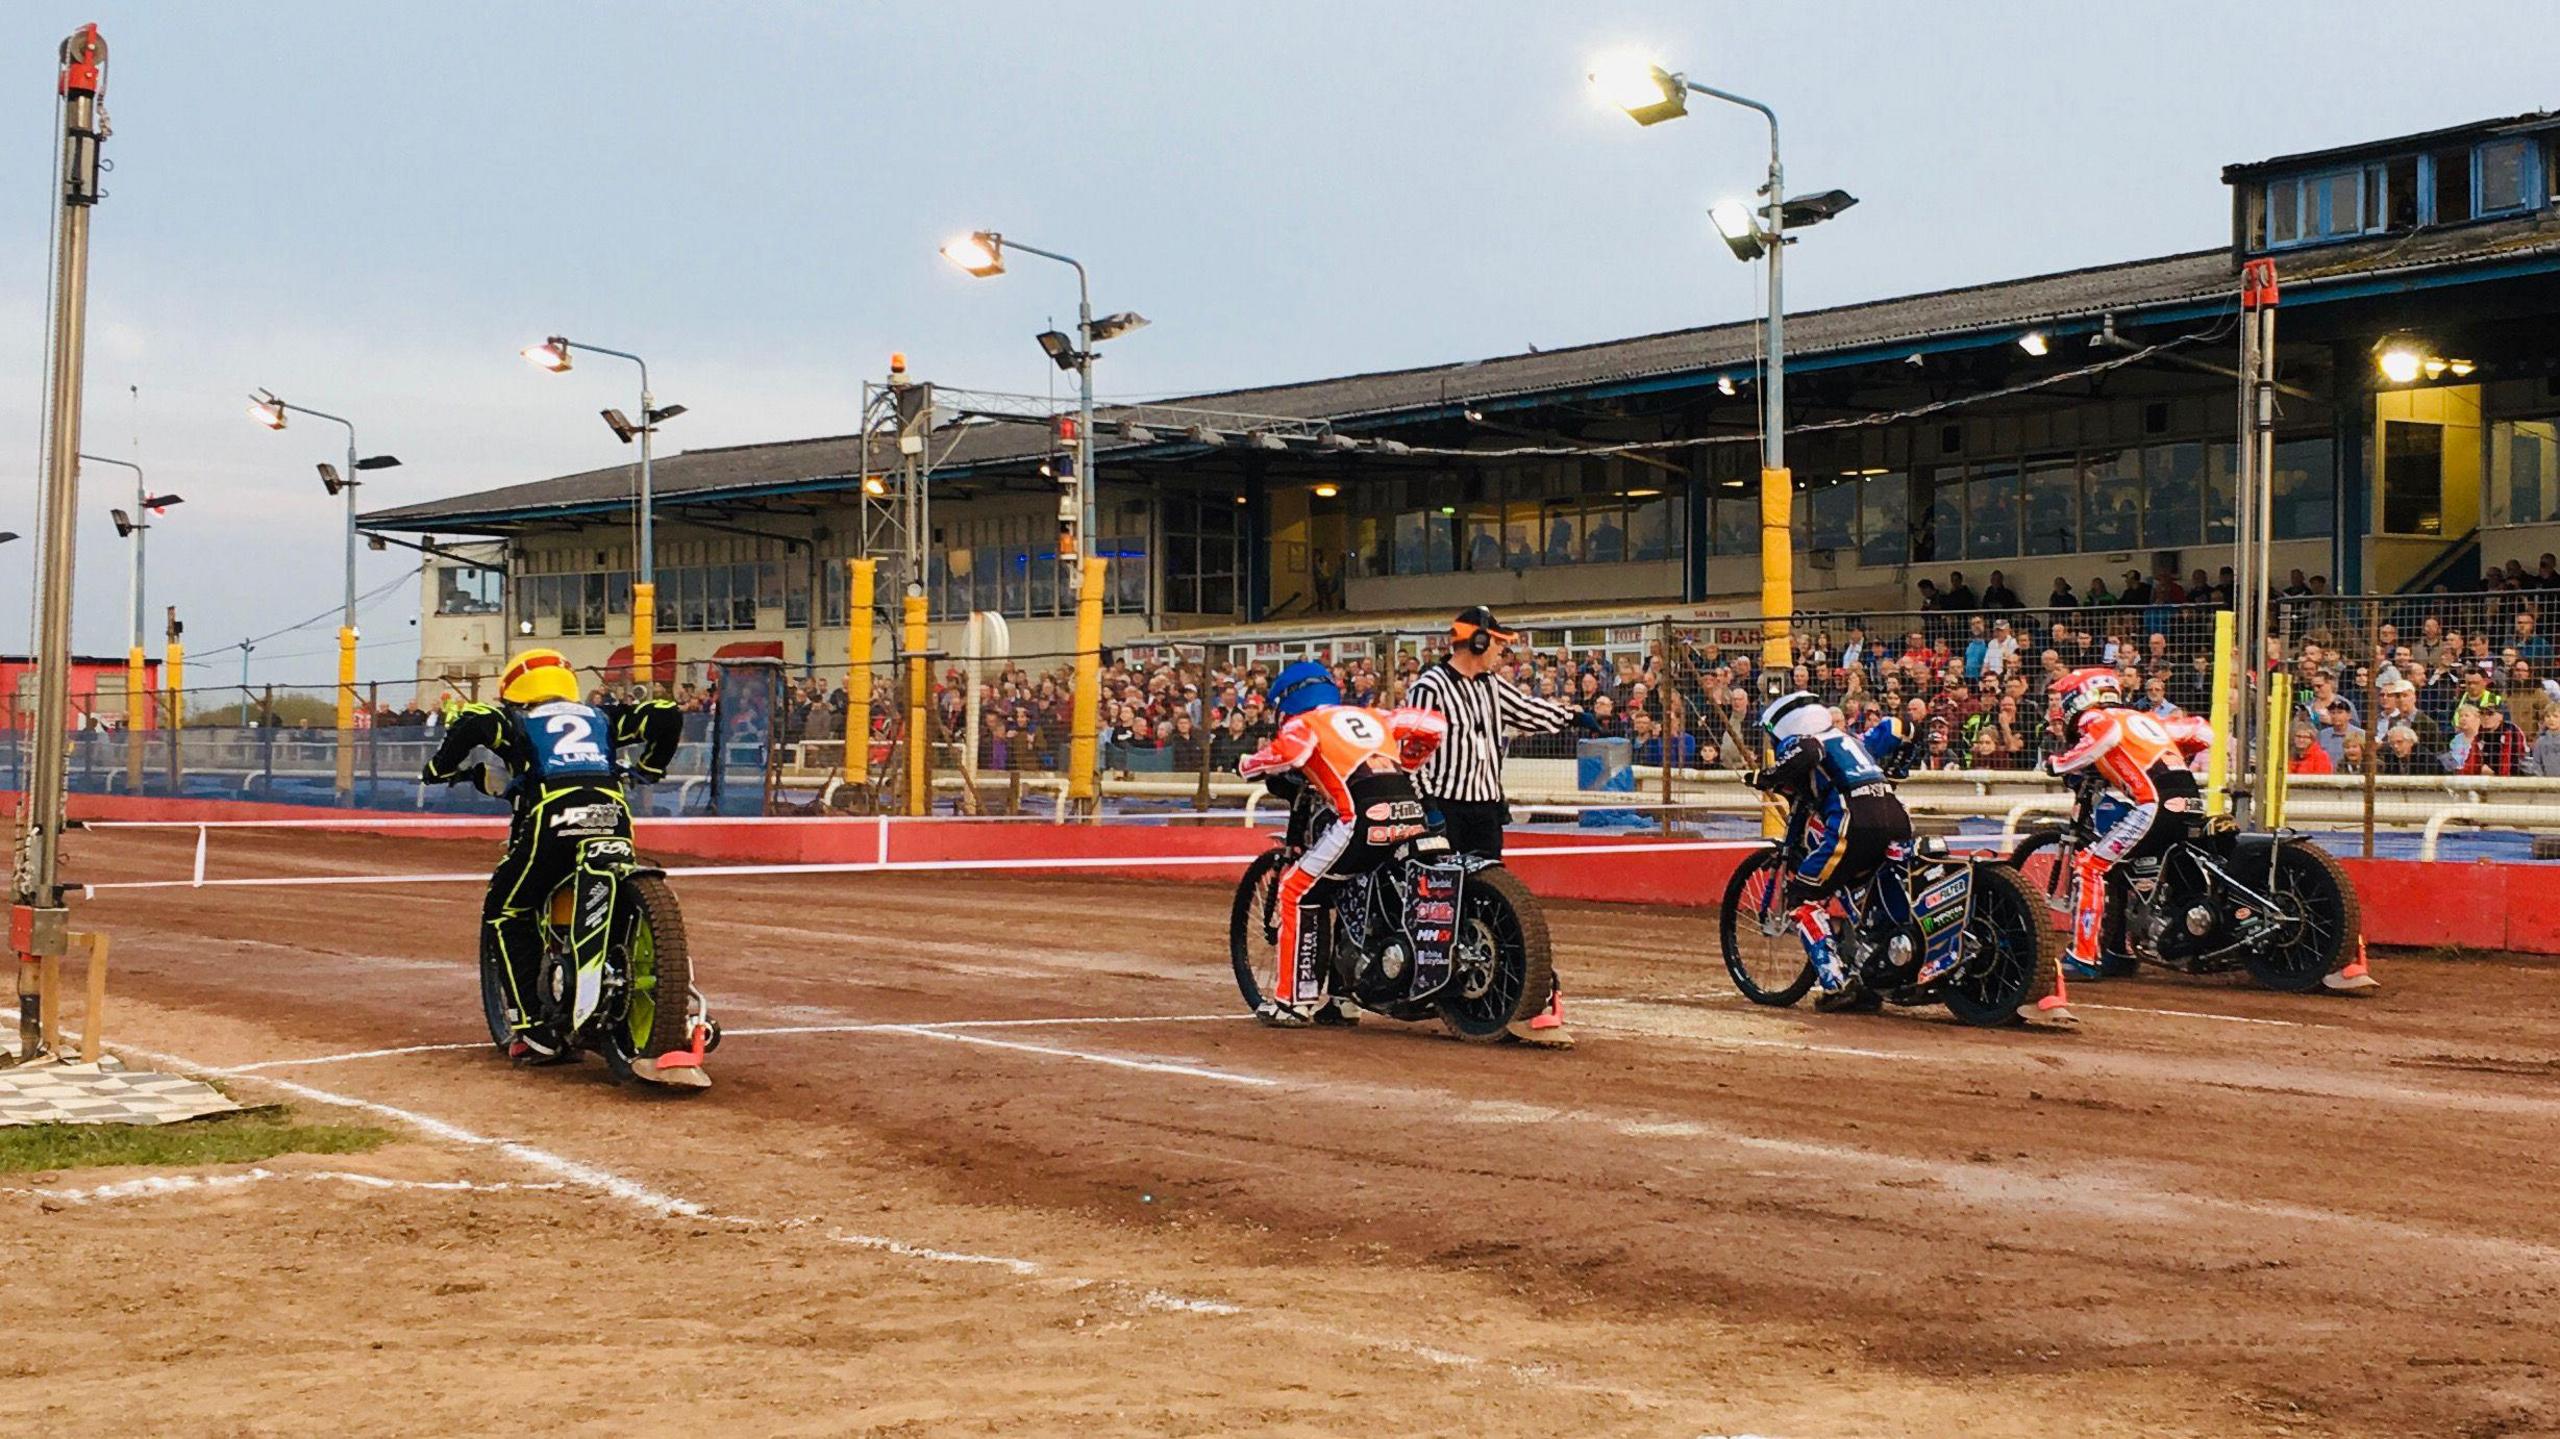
1475	620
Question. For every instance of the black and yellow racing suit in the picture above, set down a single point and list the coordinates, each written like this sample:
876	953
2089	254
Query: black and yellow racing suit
565	761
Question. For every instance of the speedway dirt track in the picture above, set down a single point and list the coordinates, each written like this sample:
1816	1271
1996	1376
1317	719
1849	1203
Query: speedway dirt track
2211	1211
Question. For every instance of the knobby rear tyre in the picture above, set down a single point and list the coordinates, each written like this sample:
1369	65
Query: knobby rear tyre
1524	966
2017	954
2312	880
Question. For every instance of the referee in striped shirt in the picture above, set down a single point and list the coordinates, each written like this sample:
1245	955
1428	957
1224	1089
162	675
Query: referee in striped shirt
1462	782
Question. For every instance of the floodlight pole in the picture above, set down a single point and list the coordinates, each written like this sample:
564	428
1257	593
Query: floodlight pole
135	662
38	924
644	585
1084	403
346	786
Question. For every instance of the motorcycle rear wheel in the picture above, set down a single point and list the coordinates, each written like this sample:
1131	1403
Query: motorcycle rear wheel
1496	910
494	1002
2038	860
1253	924
1768	968
2311	880
657	977
2015	960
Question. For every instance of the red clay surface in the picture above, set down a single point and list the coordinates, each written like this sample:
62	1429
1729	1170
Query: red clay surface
2210	1211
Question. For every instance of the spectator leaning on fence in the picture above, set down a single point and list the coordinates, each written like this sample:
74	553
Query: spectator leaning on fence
1462	781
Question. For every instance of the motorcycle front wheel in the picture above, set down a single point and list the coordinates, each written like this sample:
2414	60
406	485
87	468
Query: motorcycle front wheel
2310	881
1505	960
657	975
1761	951
1253	923
2012	960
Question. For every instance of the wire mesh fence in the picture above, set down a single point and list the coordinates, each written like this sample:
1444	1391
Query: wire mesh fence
2430	695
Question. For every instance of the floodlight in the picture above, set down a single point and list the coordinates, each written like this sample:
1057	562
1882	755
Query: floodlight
1112	327
267	410
620	424
552	354
379	462
1327	490
124	524
662	414
2400	359
1806	210
1724	385
7	535
1136	433
874	486
330	479
1647	92
2034	343
1059	348
980	252
1741	232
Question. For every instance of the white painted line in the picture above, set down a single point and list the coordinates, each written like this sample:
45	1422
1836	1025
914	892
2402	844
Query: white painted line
904	1250
346	1058
624	1188
1148	1066
155	1185
2199	1014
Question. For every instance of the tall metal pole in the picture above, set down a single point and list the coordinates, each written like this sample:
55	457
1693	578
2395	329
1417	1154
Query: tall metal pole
1084	423
645	665
136	662
38	925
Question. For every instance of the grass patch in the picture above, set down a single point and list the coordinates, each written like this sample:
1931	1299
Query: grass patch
242	1138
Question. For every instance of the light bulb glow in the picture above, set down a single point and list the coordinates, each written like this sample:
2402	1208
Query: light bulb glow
1628	81
1732	219
978	252
2034	343
2400	364
271	416
548	355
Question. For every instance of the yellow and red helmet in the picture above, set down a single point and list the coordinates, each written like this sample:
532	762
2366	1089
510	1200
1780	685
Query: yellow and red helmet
538	677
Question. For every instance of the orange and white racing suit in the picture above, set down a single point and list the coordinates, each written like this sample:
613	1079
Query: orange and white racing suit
2143	767
1362	762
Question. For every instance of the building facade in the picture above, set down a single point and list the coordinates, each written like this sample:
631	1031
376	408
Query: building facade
2073	426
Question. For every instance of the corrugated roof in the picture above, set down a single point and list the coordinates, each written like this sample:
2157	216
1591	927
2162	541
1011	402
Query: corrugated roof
1990	312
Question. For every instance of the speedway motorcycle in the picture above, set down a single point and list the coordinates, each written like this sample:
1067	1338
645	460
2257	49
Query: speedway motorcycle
1429	934
1935	928
615	976
2276	905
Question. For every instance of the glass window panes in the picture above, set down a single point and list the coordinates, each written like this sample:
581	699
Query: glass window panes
468	590
2305	504
2453	186
744	588
2412	478
1563	526
2111	500
1991	513
2173	507
1044	582
2502	177
1735	522
2221	493
2052	505
1653	527
1884	519
1604	532
2284	211
1480	536
1941	532
2524	471
1831	514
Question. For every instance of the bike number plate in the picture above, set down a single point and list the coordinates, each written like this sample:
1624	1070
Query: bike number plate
1939	910
1433	922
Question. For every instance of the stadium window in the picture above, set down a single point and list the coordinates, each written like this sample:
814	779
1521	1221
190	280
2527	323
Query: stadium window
745	594
2412	478
2221	493
1654	527
986	575
469	590
1884	519
1832	512
2111	500
2524	471
2400	193
2503	183
591	603
2053	505
2452	186
795	588
1938	505
2305	504
617	594
2174	503
835	598
2284	211
1991	513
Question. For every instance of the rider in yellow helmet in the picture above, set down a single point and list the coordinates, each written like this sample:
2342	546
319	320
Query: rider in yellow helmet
565	761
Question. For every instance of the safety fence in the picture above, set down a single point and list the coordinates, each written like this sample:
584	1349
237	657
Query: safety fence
2450	689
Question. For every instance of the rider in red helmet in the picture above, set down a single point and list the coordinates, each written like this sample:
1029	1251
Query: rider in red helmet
2143	769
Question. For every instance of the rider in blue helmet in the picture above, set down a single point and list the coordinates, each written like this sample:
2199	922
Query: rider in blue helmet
1303	686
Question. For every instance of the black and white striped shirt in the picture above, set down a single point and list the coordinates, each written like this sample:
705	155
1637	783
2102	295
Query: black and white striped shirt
1480	712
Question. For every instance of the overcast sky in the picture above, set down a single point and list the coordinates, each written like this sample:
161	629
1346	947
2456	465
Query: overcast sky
370	208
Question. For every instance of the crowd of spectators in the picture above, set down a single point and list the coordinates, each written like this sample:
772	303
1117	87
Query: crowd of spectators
2456	683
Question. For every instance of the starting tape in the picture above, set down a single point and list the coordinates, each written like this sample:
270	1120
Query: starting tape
947	866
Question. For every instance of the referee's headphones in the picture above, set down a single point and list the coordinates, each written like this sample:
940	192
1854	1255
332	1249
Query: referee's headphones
1474	630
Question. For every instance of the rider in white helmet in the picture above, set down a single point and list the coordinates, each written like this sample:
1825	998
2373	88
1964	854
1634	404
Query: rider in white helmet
1844	810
